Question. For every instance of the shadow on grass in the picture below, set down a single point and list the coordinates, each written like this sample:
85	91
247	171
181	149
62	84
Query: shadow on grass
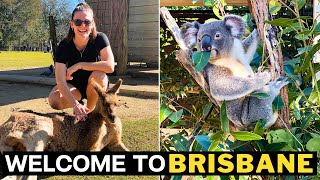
16	92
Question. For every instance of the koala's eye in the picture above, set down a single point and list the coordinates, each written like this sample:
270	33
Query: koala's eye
217	36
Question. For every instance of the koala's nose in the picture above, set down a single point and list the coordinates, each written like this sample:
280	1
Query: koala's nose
206	43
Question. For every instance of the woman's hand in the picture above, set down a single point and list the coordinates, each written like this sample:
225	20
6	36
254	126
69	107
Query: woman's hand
71	70
80	112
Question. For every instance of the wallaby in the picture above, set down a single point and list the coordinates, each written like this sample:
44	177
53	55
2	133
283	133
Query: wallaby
31	131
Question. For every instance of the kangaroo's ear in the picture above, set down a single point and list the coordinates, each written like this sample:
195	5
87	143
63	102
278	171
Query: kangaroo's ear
189	33
116	87
100	91
235	24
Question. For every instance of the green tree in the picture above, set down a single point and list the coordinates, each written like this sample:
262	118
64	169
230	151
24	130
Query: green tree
26	22
61	12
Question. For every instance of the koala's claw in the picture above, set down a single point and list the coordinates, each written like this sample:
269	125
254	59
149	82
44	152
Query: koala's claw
259	70
266	75
255	33
283	82
282	78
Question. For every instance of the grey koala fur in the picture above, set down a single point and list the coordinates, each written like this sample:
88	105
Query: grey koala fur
229	74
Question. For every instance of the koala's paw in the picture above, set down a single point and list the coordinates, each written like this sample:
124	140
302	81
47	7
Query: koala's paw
259	70
264	76
277	84
281	82
255	34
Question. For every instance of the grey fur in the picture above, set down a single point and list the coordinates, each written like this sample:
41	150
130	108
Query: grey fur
229	74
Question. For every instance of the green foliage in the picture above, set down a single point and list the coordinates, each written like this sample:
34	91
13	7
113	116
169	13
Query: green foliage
296	31
259	95
245	136
274	6
224	119
200	59
25	23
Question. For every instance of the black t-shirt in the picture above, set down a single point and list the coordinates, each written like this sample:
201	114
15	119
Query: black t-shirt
68	54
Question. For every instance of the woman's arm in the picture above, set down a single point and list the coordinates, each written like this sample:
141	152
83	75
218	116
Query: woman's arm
105	65
60	73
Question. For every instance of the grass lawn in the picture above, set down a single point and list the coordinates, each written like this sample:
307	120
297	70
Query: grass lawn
138	135
10	60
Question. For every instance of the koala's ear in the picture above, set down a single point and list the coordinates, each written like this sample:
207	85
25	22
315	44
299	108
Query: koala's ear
235	25
189	33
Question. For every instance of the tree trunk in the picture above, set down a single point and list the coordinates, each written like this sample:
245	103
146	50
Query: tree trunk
122	60
260	12
53	36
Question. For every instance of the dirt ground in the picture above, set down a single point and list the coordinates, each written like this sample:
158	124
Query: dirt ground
139	115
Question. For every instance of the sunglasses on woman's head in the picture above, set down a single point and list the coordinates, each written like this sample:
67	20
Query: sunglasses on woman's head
79	22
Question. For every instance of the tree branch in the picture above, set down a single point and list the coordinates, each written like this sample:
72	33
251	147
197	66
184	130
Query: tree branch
269	37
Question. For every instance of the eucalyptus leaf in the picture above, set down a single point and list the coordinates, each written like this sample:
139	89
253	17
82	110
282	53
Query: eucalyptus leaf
288	30
293	62
245	136
313	144
213	146
308	58
236	144
313	96
180	142
306	121
177	123
164	112
200	59
279	147
301	37
260	95
217	136
175	116
315	135
209	2
259	127
317	27
278	103
204	141
307	91
224	119
284	22
196	146
274	6
274	9
289	70
207	108
301	3
280	136
303	50
296	111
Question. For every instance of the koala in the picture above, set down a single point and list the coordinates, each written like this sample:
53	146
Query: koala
228	72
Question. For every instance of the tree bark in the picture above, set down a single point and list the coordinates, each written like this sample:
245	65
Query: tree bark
53	37
123	51
260	12
184	54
